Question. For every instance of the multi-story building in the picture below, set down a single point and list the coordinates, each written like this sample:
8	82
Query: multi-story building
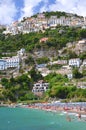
33	24
28	26
75	62
40	87
3	64
68	21
62	20
12	62
53	21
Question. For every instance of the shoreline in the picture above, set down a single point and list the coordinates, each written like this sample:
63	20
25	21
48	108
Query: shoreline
78	114
75	108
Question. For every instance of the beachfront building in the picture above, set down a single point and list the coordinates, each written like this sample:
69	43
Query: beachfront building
40	87
75	62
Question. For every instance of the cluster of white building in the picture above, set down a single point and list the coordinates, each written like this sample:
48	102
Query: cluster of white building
11	62
33	24
75	62
66	68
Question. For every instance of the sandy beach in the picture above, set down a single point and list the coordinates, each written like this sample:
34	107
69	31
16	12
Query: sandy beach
77	109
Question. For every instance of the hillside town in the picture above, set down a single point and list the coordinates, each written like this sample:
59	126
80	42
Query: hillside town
42	64
14	63
41	55
41	23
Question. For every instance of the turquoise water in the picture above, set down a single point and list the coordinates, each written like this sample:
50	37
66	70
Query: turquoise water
28	119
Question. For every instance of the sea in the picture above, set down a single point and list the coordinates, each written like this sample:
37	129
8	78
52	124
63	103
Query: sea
33	119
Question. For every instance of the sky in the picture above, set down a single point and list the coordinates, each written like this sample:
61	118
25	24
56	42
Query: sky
12	10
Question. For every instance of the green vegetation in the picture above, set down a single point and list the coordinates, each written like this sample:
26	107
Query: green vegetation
16	88
19	89
35	76
76	73
71	54
57	13
58	89
54	67
52	13
31	41
83	56
42	60
29	61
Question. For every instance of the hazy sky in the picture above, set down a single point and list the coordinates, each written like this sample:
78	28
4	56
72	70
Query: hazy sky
11	10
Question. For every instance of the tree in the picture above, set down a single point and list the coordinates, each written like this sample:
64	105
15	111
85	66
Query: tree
82	33
35	75
8	95
29	60
42	60
5	82
83	56
84	71
24	81
71	54
76	73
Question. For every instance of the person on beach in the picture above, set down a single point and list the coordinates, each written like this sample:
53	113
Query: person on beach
79	116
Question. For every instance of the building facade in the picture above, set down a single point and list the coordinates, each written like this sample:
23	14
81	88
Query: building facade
40	87
75	62
12	62
3	64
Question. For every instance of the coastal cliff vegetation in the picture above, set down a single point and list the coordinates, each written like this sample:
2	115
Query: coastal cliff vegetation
20	88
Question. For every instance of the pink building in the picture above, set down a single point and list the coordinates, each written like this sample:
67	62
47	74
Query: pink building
44	39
